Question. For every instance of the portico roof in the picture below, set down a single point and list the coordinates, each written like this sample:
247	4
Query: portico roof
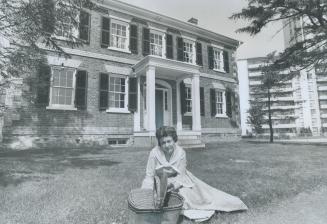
167	68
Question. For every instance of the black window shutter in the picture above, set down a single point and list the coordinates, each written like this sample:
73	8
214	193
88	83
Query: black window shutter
103	91
81	90
84	26
43	85
105	32
146	41
233	104
228	103
183	97
199	54
226	61
169	46
132	94
133	39
213	102
210	57
180	45
202	105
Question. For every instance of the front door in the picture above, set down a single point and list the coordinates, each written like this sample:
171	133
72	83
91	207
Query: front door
159	108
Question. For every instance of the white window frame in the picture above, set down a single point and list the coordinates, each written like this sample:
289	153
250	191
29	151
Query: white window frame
74	30
53	106
121	23
193	56
218	64
163	39
115	109
223	114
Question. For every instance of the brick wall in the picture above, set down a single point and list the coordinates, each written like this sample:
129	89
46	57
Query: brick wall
98	125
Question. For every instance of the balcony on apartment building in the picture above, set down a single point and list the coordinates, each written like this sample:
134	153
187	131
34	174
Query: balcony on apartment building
280	126
322	88
323	97
255	74
277	99
321	79
285	107
282	117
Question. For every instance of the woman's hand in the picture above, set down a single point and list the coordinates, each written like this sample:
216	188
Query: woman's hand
168	171
174	186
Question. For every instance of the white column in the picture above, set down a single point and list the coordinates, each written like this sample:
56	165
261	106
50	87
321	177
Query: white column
196	115
151	97
137	113
179	109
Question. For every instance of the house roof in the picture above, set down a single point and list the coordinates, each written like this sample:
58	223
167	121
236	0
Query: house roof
170	22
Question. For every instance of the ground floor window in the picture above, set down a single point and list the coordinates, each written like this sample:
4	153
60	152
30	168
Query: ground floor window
62	89
219	102
117	92
188	99
113	93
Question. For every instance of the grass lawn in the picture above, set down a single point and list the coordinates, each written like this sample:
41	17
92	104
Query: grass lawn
89	186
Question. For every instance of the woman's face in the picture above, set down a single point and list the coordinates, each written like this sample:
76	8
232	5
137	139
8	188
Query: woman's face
167	144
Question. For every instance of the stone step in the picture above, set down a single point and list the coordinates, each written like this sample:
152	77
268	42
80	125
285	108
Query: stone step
194	146
189	141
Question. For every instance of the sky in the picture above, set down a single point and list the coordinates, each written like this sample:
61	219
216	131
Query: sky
213	15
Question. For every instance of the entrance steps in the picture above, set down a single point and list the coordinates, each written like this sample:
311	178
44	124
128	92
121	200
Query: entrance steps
191	142
186	139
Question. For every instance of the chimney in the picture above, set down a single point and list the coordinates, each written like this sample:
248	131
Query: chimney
193	20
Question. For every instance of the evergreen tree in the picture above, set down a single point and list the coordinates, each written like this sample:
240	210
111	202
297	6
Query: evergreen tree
310	37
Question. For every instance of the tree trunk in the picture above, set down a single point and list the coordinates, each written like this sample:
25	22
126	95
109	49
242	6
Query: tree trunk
271	139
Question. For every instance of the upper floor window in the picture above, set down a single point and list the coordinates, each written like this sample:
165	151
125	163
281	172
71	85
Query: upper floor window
66	29
153	42
218	59
156	44
119	35
84	26
186	50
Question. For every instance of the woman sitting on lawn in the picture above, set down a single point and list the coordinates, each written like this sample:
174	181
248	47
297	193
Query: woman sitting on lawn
200	200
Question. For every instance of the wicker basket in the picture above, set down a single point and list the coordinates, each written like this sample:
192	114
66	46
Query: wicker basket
143	208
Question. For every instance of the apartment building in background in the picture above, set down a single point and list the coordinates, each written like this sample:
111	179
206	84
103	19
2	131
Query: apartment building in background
303	109
295	110
137	70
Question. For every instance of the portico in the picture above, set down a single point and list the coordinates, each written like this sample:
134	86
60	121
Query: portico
159	95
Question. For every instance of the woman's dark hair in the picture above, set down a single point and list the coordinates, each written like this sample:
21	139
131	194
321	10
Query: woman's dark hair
166	131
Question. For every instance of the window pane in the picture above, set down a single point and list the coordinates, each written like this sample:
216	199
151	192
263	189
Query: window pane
70	76
62	79
55	77
61	96
55	92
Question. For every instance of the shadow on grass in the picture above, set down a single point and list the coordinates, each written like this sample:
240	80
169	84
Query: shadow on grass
90	163
39	164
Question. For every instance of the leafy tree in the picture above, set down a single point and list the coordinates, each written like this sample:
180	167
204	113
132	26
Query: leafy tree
271	82
25	25
310	37
256	117
28	23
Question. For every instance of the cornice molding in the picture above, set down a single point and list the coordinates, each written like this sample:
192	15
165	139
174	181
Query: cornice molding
168	21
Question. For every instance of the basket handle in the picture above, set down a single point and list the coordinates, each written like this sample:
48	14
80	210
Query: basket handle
160	190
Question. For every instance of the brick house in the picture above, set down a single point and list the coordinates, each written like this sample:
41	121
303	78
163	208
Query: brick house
138	70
